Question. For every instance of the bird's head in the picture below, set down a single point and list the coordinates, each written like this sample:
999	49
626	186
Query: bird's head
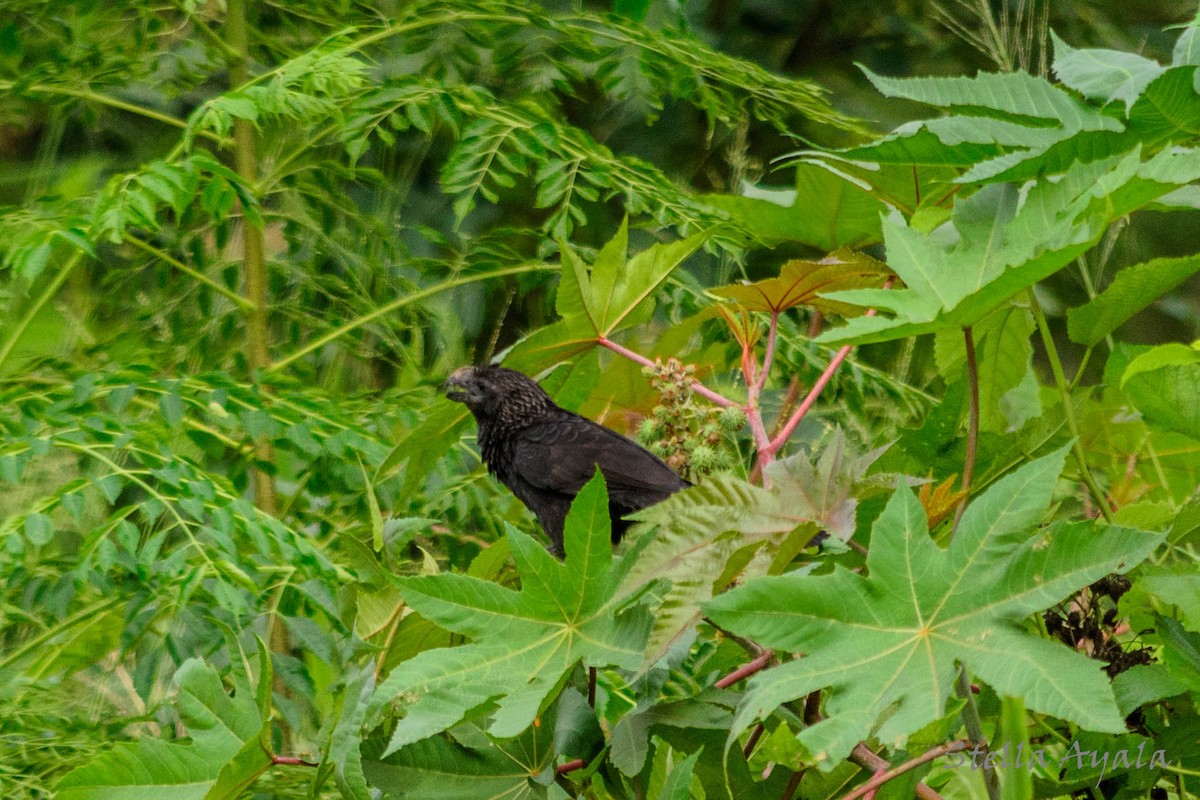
463	387
498	393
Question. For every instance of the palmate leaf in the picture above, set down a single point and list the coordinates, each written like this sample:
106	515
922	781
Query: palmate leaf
439	769
826	210
1001	242
1005	364
801	282
526	642
616	293
886	645
1000	121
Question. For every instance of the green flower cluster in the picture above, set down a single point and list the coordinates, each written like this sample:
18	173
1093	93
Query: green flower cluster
693	438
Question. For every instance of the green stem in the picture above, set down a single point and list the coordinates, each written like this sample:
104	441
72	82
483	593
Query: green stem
112	102
237	299
84	614
51	289
254	265
974	725
972	424
1060	380
210	34
407	299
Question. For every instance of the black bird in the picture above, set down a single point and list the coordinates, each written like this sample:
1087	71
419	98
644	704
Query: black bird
545	454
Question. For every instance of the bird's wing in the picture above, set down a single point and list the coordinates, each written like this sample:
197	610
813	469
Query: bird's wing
561	455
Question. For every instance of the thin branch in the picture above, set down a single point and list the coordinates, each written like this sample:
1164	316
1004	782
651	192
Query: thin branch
907	766
789	791
400	302
756	379
112	102
241	302
769	355
570	766
974	726
17	330
755	735
747	669
697	387
1060	380
815	392
810	399
864	757
972	424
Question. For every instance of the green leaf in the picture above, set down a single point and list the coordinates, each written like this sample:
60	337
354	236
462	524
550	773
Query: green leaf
886	645
825	210
564	613
574	287
1157	358
1133	289
218	724
677	783
614	295
440	769
344	742
1180	653
1144	683
372	508
551	345
623	293
39	528
1104	75
172	408
1016	94
226	756
145	769
1004	357
425	444
697	532
1003	242
1164	385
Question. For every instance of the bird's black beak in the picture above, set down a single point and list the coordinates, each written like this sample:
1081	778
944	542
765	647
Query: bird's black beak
458	385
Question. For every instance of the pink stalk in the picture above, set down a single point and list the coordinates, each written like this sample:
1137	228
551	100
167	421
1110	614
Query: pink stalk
697	386
810	399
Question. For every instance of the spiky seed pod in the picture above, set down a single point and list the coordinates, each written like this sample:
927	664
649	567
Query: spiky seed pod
731	419
702	458
648	430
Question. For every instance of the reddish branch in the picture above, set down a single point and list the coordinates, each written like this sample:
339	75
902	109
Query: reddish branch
291	761
697	387
570	766
907	766
755	735
747	669
766	444
862	755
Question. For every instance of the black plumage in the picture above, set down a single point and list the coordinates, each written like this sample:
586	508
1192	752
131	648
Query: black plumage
545	454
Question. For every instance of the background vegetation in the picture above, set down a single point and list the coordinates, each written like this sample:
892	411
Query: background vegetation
247	549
